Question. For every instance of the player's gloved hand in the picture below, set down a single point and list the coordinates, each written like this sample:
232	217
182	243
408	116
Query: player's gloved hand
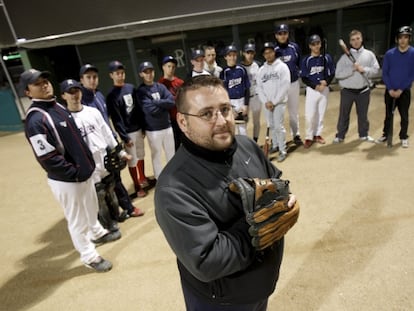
269	207
112	160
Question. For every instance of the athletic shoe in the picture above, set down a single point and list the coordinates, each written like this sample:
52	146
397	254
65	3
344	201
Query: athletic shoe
367	139
297	140
282	157
404	143
337	140
381	140
99	265
148	183
274	150
307	143
319	139
109	237
136	212
141	193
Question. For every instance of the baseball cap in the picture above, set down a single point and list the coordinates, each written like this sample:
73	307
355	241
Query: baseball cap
281	28
230	48
31	75
197	53
87	67
268	45
249	47
168	59
144	66
115	65
66	85
314	38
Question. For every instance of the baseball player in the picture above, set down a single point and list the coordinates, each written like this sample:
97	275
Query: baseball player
128	120
197	61
289	52
252	67
92	97
99	138
172	83
398	76
353	78
210	63
317	72
273	82
60	150
236	81
156	102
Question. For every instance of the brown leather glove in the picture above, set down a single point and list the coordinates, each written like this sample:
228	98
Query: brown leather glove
265	203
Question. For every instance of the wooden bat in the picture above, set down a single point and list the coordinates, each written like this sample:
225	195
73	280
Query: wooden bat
352	58
346	51
391	129
267	144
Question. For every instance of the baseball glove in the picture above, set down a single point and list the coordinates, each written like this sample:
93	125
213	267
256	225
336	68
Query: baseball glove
112	160
265	203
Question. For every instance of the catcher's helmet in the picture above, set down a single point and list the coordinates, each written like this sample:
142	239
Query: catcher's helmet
404	30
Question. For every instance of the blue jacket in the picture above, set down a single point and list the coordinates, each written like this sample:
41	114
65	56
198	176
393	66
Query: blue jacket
156	102
57	143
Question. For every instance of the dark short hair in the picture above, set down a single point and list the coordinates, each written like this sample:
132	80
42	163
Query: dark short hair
193	84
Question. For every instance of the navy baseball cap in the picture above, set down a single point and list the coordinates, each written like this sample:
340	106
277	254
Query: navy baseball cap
197	53
144	66
249	47
68	84
314	38
31	75
169	59
268	45
281	28
115	65
230	48
87	67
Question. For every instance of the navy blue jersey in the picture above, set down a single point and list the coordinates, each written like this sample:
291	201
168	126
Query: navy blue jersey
317	68
290	54
125	113
236	81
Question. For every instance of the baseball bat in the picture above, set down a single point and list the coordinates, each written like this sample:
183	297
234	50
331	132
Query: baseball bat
266	146
352	58
391	128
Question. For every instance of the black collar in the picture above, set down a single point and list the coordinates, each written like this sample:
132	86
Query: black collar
224	156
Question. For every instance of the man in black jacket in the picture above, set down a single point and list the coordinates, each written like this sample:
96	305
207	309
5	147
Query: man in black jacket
202	221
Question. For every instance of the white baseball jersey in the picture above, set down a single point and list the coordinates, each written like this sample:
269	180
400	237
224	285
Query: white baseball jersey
97	136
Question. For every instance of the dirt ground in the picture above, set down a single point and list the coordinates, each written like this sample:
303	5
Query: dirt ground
352	248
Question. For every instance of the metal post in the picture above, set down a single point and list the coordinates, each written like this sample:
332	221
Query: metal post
12	87
134	60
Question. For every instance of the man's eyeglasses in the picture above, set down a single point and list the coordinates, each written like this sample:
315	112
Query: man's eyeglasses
211	115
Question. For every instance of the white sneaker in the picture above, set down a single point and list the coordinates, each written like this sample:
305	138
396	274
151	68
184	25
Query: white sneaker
282	156
337	140
381	140
404	143
367	139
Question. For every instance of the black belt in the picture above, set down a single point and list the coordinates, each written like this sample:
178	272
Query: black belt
356	91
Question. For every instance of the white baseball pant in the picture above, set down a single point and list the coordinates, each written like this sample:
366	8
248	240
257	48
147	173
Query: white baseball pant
80	207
